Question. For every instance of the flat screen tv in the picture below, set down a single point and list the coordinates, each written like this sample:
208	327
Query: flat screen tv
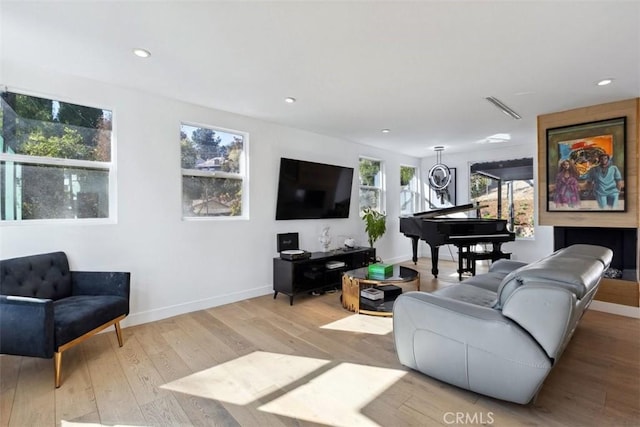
309	190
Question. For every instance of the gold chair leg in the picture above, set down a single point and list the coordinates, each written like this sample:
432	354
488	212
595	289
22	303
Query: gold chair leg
58	354
118	333
57	361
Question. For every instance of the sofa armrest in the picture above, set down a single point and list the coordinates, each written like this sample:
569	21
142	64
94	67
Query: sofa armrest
480	327
469	346
101	283
27	326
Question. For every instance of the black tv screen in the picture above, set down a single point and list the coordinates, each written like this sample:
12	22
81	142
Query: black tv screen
309	190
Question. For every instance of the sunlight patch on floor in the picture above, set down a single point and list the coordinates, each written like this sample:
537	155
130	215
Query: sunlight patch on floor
302	388
247	378
362	323
336	397
64	423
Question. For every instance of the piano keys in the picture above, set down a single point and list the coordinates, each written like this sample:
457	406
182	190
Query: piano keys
461	232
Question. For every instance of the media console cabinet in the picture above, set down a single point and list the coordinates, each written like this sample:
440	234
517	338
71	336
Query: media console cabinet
311	274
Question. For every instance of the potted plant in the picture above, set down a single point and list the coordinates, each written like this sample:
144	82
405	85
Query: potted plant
375	224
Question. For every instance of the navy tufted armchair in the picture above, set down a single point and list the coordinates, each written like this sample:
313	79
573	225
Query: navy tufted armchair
45	308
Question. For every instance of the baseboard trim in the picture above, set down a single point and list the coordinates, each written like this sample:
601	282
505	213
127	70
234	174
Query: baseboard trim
188	307
397	260
621	310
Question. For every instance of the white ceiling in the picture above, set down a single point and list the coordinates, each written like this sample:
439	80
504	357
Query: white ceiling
421	69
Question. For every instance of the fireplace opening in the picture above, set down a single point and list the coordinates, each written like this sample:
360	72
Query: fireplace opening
622	241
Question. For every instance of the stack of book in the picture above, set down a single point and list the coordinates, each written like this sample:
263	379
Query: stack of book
380	271
372	299
372	294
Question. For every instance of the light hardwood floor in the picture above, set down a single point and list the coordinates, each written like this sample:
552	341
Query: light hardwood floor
261	362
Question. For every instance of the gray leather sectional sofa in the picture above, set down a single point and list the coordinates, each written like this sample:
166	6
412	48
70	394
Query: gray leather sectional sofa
500	333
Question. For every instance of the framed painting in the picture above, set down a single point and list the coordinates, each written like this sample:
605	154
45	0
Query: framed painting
586	166
445	197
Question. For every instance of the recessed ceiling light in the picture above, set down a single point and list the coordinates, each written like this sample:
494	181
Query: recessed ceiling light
289	100
385	130
142	53
605	82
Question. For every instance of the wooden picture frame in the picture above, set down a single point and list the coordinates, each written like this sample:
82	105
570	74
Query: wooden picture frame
444	198
586	167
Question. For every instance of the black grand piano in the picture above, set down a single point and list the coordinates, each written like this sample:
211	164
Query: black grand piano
464	233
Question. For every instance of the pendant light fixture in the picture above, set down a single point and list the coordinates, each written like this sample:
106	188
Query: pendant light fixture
439	174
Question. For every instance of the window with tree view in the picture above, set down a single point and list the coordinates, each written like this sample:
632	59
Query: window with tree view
505	190
213	172
409	196
55	159
370	184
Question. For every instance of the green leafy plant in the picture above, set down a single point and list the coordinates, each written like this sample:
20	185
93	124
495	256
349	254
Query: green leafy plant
375	224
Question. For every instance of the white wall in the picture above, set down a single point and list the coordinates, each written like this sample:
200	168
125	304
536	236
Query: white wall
179	266
526	250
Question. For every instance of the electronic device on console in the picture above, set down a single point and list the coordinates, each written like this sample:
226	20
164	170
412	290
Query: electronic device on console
288	247
294	254
331	265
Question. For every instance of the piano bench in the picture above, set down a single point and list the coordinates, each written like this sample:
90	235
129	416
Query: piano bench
467	259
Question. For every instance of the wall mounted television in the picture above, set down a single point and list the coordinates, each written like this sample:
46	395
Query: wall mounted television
309	190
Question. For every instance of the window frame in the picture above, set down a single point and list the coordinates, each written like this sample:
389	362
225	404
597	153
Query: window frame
415	193
242	175
110	166
380	188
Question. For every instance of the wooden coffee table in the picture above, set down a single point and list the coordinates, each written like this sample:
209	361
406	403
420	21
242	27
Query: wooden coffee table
353	281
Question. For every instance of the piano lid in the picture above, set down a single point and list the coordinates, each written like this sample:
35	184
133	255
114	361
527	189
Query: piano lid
446	211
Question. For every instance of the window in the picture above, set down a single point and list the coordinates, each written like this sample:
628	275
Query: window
214	176
506	189
409	196
371	185
55	159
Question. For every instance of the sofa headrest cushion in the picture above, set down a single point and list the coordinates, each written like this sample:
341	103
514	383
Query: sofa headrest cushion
44	276
576	270
604	255
576	274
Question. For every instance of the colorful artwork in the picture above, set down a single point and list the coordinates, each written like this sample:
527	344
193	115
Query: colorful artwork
585	152
586	166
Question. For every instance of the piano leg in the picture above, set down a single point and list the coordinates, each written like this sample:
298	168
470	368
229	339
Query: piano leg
414	246
467	258
466	261
434	260
497	253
